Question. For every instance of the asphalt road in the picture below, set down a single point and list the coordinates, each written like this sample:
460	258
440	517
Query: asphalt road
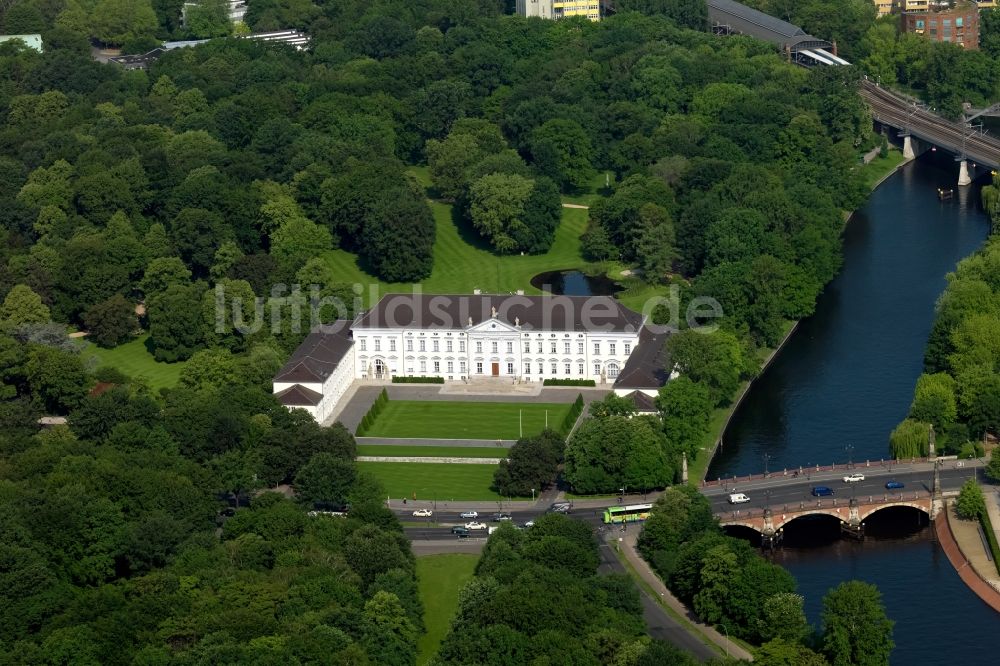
659	623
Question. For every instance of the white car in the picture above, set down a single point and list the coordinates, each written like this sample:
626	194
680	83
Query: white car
423	513
469	514
854	478
475	525
738	498
530	523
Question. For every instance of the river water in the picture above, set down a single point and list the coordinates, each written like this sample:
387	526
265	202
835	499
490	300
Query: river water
843	382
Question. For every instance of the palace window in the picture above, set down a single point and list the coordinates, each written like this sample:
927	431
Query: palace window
493	347
409	345
510	348
364	344
540	347
437	366
580	370
423	366
628	348
392	344
597	368
461	367
597	348
552	347
479	347
568	371
612	370
423	345
541	368
555	368
435	345
527	368
527	347
461	345
510	368
447	345
378	344
565	347
579	348
612	345
451	366
479	368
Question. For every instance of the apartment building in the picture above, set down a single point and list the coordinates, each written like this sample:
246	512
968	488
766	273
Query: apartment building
557	9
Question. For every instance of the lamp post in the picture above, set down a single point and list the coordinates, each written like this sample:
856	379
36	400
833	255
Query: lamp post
725	629
767	457
532	494
850	455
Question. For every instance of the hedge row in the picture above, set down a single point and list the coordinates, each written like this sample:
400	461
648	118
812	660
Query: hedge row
991	537
572	416
380	402
417	380
569	382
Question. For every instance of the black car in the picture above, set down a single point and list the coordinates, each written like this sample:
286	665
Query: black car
461	531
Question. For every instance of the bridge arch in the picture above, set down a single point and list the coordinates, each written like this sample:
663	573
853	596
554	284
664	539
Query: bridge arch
868	511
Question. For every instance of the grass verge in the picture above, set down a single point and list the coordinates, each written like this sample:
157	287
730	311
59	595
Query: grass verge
991	538
463	261
440	578
134	360
465	420
441	482
433	451
881	167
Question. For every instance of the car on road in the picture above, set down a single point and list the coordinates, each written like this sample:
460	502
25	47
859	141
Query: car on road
460	531
561	507
894	485
423	513
738	498
499	517
821	491
475	525
469	514
854	478
530	523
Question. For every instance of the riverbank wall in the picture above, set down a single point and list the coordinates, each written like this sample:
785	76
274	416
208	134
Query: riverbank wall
966	571
701	478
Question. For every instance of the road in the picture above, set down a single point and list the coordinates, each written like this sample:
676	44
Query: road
786	489
904	114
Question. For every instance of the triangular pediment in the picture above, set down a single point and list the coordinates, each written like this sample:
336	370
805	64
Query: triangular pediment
493	326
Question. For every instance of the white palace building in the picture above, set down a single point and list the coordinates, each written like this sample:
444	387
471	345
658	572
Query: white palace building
512	338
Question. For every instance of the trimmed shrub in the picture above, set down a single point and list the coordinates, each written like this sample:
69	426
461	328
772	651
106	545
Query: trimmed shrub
417	380
368	419
572	416
569	382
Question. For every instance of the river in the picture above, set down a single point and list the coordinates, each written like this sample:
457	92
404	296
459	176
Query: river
843	382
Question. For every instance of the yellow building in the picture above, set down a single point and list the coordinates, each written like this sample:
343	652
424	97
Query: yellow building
556	9
589	8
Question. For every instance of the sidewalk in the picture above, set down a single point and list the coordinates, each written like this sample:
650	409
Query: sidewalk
725	645
961	542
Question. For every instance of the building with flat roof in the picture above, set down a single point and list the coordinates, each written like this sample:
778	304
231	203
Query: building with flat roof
31	41
956	23
509	338
557	9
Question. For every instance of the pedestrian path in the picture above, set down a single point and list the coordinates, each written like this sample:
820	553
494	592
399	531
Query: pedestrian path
430	459
457	443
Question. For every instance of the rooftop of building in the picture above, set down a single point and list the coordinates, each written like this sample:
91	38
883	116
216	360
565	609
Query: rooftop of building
593	314
749	21
299	396
649	364
317	357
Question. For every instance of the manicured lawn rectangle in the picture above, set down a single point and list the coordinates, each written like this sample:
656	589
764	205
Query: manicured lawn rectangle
465	420
134	360
433	451
440	578
463	261
442	482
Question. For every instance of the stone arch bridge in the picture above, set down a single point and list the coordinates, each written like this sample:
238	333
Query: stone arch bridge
770	522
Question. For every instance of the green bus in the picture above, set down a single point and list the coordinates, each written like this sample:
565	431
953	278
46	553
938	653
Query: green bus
627	514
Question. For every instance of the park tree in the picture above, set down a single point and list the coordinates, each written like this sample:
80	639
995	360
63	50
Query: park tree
993	467
116	21
971	504
782	617
236	472
685	13
325	478
607	454
685	407
531	465
715	360
856	630
176	326
497	207
21	306
398	238
934	400
111	322
562	150
208	18
781	652
910	439
57	377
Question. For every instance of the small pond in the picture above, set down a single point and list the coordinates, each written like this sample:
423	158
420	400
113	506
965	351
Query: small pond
575	283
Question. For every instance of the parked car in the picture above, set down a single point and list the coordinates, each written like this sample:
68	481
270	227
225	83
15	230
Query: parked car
738	498
423	513
460	531
894	485
475	525
498	517
854	478
821	491
469	514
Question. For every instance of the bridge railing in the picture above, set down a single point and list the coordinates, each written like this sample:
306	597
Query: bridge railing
807	471
809	505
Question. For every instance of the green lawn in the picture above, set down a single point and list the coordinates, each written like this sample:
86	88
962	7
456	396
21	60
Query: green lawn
878	168
465	420
440	578
134	360
434	451
443	482
462	261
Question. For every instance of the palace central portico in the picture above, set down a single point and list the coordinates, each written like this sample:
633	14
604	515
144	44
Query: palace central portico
513	338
